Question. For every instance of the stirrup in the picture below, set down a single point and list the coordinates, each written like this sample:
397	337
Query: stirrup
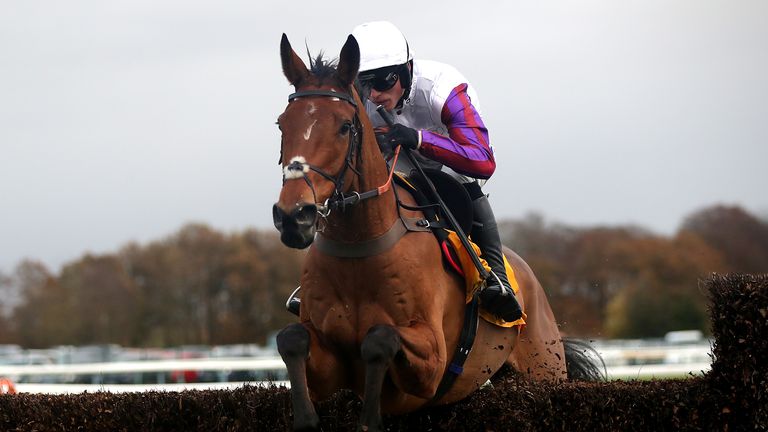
293	305
505	291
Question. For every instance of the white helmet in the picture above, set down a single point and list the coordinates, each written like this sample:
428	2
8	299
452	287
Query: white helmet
381	44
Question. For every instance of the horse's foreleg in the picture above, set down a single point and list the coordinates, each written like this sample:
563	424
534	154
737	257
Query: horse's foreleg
378	349
293	346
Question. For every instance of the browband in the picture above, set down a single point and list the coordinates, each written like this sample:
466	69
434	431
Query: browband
327	93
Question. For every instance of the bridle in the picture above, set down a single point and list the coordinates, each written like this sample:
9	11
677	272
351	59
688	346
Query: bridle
299	168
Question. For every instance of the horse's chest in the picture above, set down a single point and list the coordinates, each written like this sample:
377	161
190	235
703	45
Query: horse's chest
347	318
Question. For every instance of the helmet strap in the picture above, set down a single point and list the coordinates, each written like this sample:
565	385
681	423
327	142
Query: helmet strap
406	79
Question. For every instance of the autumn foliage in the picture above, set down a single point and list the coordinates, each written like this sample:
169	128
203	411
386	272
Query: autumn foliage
202	286
626	282
198	286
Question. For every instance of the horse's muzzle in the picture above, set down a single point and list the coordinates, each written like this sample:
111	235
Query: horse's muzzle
297	229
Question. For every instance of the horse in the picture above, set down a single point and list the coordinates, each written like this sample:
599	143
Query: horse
380	314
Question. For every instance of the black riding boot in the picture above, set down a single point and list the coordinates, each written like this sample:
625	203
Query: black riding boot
498	297
294	302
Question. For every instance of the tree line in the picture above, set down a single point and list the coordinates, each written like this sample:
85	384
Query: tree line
202	286
627	282
197	286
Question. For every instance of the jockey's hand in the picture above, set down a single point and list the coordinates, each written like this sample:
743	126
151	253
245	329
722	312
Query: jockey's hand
391	137
381	139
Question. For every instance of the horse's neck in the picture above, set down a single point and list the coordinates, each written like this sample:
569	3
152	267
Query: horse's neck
370	218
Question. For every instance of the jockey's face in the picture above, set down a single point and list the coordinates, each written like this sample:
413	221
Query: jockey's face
384	84
388	98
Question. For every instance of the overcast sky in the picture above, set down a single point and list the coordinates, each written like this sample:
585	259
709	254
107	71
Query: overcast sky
122	120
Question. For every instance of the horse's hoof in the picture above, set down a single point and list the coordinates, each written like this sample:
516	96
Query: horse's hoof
306	425
366	428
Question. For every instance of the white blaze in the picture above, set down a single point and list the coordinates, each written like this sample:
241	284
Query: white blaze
309	131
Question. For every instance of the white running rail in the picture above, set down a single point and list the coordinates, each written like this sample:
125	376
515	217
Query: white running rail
670	361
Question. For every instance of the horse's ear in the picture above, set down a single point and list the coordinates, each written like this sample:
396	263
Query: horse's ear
293	68
349	61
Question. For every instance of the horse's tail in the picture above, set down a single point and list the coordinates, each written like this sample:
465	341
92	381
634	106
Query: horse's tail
582	361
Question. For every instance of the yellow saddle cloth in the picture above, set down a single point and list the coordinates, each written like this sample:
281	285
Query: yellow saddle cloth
473	281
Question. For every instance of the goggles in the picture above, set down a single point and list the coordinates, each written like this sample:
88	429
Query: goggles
379	79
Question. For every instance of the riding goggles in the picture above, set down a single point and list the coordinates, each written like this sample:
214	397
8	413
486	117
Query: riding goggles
380	80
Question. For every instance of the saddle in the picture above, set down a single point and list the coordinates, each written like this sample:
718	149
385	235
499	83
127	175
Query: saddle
454	196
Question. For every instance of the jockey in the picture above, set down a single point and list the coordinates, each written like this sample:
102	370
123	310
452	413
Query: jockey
437	114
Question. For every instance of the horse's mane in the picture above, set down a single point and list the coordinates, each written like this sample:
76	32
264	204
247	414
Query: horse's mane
322	68
325	69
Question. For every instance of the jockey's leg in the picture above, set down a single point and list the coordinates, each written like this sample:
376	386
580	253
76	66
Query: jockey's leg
498	297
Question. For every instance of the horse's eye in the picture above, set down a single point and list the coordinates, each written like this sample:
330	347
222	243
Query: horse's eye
345	128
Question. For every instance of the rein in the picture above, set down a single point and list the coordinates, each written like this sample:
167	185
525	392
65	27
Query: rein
298	167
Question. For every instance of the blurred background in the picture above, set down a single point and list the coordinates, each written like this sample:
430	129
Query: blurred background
138	157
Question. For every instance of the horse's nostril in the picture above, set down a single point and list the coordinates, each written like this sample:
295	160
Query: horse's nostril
306	212
277	217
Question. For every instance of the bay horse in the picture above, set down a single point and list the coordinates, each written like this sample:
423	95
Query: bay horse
380	314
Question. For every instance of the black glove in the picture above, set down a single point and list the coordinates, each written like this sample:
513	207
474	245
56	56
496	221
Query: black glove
501	304
399	135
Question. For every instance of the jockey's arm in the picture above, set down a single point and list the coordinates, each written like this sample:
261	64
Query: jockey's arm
466	149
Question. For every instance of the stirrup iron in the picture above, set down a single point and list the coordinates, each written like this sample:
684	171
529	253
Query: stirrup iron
505	289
